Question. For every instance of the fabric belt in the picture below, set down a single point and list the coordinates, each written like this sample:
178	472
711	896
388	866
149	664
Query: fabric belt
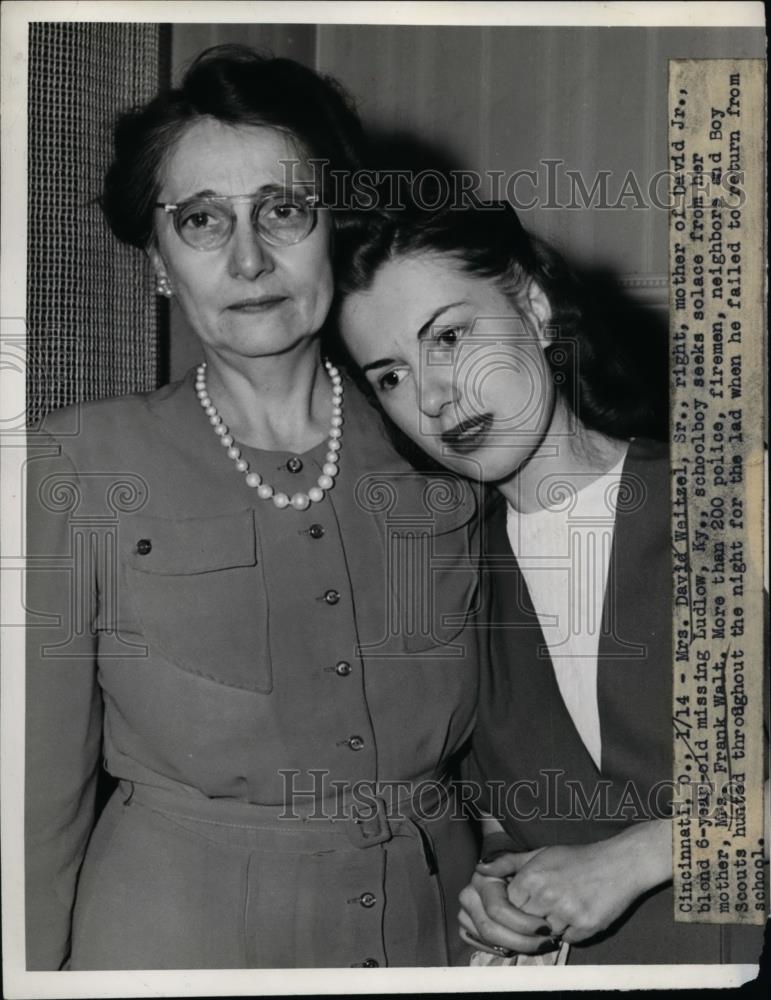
363	826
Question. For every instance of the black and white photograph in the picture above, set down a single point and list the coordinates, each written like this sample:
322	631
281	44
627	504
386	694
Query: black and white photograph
358	634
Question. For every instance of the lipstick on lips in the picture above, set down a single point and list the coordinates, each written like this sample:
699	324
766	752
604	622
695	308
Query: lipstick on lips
469	434
256	304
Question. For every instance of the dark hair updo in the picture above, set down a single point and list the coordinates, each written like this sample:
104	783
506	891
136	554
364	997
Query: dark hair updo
237	86
608	360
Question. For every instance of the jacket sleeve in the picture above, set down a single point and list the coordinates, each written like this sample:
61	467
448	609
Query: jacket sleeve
63	701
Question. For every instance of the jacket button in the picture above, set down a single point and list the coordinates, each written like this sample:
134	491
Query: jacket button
294	464
367	900
355	742
370	963
343	668
331	597
316	531
144	546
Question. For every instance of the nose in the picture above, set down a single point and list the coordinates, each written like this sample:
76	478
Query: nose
437	391
249	255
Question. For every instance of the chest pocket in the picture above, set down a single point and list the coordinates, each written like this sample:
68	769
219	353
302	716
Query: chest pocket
199	594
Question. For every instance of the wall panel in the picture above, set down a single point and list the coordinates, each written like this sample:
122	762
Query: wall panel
508	98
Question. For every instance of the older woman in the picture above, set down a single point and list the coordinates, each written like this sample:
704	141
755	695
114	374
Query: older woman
251	624
480	346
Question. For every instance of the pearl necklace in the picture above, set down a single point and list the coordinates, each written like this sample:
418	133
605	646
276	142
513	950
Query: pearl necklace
325	482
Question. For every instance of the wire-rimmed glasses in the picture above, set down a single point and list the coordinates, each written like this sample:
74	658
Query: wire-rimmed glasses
281	218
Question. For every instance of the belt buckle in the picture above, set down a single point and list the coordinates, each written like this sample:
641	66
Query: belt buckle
375	829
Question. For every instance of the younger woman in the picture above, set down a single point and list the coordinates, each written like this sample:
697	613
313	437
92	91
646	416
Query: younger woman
479	345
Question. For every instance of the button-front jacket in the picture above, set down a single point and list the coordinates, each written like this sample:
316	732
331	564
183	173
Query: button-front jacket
238	668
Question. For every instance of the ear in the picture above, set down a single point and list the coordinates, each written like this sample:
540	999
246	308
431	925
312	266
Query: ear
540	309
157	261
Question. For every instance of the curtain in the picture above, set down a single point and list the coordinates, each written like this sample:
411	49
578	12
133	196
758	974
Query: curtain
92	318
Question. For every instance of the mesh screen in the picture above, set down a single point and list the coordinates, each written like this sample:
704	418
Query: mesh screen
92	319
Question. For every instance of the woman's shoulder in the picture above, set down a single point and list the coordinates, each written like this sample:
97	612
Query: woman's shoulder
647	476
106	409
119	422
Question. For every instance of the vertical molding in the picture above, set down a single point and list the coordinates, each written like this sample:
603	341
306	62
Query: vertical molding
428	60
584	138
653	110
546	86
548	137
484	95
319	35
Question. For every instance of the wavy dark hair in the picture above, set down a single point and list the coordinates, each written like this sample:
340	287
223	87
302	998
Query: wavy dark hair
608	359
238	86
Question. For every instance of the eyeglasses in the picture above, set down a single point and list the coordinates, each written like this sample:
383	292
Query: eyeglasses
280	218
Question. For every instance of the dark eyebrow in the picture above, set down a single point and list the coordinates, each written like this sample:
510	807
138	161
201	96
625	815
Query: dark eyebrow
378	364
421	334
434	316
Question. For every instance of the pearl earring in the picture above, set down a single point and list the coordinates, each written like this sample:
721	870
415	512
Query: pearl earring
163	286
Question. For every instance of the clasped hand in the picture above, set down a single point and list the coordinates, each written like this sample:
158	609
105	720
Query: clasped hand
523	902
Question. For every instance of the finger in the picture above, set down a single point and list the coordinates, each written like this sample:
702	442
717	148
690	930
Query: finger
496	921
506	864
562	940
518	896
531	905
466	923
467	928
494	901
574	935
557	926
515	915
481	946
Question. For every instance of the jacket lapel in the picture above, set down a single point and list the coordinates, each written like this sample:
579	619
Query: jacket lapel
635	658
